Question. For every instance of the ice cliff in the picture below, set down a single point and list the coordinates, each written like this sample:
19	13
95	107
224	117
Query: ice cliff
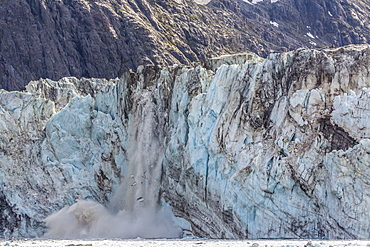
240	146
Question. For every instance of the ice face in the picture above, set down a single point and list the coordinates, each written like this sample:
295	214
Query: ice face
265	154
247	148
134	209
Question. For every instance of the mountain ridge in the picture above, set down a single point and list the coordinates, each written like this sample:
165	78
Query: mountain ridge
54	39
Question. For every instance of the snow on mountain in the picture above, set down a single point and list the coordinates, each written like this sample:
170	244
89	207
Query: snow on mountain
257	1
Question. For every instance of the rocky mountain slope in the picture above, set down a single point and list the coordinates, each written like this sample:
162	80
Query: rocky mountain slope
97	38
240	147
312	23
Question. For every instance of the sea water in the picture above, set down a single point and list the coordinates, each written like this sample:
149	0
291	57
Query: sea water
185	243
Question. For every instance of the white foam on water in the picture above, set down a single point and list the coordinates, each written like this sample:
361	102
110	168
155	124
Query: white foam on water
88	219
186	243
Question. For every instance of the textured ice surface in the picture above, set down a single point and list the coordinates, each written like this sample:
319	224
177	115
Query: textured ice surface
241	147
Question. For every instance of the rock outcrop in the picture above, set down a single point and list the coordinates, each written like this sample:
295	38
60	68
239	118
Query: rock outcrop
249	147
96	38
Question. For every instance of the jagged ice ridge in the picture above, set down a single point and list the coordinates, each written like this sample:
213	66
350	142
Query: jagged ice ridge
240	147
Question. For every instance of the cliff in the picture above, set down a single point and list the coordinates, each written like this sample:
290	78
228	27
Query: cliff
103	39
240	147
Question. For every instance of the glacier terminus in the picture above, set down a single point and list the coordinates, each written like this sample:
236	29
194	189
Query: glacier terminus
236	147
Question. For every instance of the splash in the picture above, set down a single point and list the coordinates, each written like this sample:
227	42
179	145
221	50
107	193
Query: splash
135	210
88	219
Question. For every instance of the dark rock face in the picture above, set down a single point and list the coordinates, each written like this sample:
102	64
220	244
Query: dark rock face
95	38
57	38
339	139
52	39
8	219
312	23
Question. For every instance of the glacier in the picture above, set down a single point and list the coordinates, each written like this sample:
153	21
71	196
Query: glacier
237	147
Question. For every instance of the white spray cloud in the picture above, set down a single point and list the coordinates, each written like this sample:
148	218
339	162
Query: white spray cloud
89	219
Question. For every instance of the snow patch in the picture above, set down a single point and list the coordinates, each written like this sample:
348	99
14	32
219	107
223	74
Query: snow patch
257	1
201	2
310	35
274	23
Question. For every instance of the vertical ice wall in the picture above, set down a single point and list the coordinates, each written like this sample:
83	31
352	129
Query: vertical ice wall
240	147
270	148
132	138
